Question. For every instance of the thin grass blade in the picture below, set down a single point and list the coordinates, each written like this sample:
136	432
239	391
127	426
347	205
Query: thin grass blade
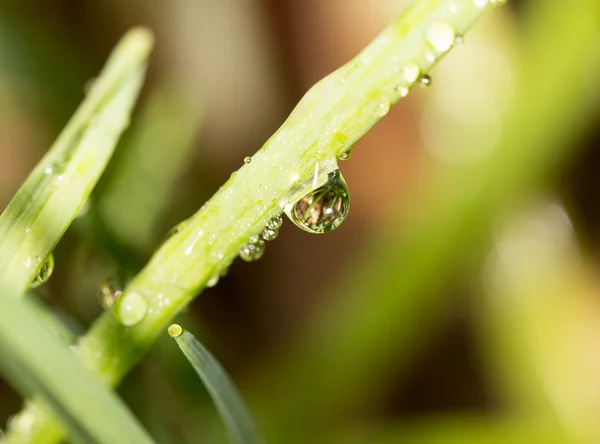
37	361
234	413
53	194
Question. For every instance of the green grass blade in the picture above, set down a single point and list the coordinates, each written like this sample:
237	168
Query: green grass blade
38	362
221	388
52	195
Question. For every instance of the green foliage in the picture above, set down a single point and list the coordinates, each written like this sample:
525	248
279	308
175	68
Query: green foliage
228	401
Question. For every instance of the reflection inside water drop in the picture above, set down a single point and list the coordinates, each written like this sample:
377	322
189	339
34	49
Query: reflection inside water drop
253	250
324	209
44	272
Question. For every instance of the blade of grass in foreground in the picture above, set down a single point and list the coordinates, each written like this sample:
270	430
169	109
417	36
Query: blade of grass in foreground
52	195
38	362
228	401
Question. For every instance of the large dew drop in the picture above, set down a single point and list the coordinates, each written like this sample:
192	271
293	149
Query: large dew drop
324	209
131	308
44	272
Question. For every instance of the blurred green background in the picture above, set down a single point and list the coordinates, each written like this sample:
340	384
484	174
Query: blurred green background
418	320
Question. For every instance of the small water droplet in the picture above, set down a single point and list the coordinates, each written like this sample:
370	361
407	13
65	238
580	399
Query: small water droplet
440	36
346	154
275	223
247	160
425	80
269	234
411	72
383	109
459	40
131	308
175	330
253	251
44	272
402	90
110	291
214	279
48	171
324	209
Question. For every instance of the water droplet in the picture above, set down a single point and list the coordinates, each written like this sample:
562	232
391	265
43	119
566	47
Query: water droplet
402	90
247	160
425	80
110	291
459	40
253	251
383	109
175	330
440	36
275	223
214	279
324	209
346	155
411	72
269	234
131	308
44	272
48	171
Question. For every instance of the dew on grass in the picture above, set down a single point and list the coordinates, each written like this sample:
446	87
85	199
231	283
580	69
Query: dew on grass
275	223
131	308
440	36
174	330
269	234
253	250
322	209
44	272
425	81
346	154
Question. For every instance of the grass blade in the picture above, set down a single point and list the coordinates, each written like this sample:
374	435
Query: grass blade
229	403
52	195
38	362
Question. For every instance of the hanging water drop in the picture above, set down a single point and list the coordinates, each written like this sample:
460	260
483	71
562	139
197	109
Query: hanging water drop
253	250
346	154
44	272
214	279
402	90
440	36
275	223
269	235
383	109
425	81
247	160
324	209
459	40
110	291
131	308
175	330
411	72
